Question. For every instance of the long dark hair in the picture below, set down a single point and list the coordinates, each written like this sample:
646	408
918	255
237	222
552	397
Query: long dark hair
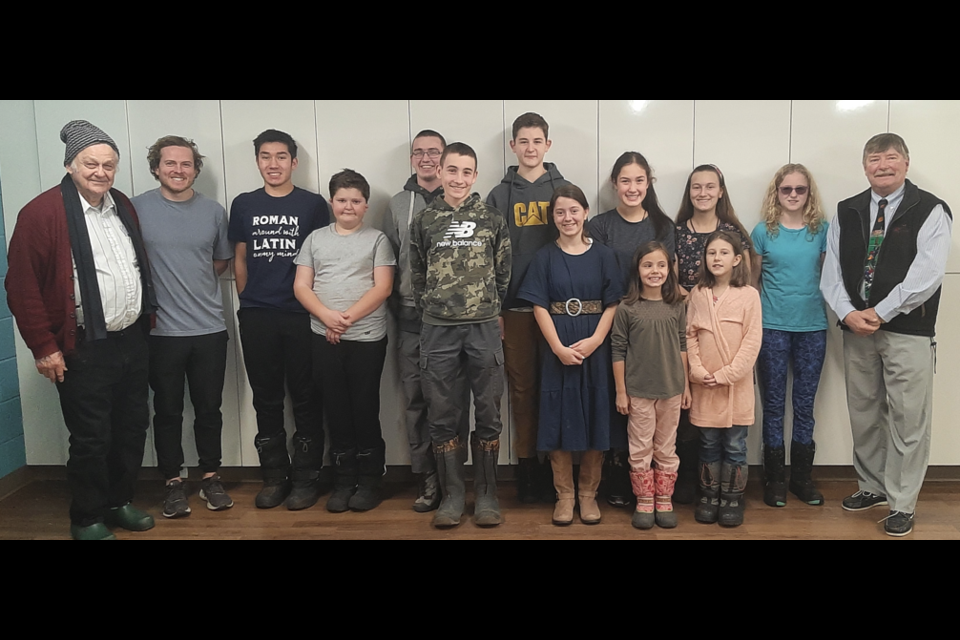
725	210
651	204
670	290
741	273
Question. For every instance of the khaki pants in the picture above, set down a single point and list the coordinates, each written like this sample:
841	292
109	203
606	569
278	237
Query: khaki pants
890	398
652	432
522	349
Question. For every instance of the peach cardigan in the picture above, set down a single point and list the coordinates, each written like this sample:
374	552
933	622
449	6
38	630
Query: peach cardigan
723	339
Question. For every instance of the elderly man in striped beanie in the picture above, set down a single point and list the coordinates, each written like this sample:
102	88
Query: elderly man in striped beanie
79	288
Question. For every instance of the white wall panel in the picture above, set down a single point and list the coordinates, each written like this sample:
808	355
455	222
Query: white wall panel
573	129
380	150
109	115
828	138
749	140
931	129
945	446
662	130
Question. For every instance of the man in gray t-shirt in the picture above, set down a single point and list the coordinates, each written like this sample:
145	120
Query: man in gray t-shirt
185	236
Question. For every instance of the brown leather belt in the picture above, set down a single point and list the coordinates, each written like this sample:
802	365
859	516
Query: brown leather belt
574	307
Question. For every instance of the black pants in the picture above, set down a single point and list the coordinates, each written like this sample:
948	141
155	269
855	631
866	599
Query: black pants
350	374
276	353
103	397
202	361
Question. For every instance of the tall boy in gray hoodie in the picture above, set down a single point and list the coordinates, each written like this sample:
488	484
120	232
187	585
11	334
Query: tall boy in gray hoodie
523	198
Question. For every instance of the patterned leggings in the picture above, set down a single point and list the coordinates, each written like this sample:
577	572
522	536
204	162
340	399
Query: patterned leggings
807	351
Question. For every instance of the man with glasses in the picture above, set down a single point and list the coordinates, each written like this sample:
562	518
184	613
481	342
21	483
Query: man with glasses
421	190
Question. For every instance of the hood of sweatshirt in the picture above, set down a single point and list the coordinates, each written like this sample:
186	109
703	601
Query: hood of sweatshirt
524	205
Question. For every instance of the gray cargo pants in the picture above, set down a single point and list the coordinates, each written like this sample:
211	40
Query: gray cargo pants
444	353
415	409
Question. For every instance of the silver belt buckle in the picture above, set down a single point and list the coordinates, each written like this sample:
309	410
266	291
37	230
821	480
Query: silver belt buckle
579	307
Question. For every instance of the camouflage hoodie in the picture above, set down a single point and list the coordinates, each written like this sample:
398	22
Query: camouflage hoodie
460	261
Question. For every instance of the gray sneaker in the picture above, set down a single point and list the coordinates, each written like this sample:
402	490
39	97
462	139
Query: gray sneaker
175	503
211	490
428	498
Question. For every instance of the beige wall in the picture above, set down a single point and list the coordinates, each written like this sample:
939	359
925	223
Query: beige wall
749	140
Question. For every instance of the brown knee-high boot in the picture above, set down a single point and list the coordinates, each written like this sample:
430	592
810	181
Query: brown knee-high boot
562	463
591	469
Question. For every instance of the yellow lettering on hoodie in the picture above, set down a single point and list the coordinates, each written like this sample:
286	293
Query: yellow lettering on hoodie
532	215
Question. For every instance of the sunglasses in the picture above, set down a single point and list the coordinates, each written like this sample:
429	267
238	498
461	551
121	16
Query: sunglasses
801	191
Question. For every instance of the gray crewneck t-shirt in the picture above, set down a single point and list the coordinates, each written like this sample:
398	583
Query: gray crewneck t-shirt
182	240
343	273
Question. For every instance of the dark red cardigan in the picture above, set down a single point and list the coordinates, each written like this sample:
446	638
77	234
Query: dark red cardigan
40	276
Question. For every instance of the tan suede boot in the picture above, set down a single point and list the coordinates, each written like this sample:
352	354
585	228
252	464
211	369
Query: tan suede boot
591	468
562	463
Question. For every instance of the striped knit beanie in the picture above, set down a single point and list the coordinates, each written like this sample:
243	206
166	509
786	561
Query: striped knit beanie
80	134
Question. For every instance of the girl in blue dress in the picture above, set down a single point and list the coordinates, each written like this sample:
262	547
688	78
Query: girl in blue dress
574	285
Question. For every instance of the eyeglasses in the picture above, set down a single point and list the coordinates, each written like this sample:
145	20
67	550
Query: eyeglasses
801	191
430	153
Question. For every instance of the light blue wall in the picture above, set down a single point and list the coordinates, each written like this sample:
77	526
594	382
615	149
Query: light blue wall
12	453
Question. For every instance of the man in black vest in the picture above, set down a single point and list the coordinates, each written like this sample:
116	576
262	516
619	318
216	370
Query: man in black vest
886	258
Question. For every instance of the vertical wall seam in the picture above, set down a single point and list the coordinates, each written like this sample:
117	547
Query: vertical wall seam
126	117
889	110
693	159
316	136
790	139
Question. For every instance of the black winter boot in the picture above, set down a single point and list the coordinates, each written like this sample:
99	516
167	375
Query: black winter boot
307	463
775	484
371	466
801	468
528	471
708	509
450	458
346	469
275	465
732	485
686	489
619	489
486	455
546	489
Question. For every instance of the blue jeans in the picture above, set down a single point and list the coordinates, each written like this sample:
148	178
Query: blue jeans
724	445
806	350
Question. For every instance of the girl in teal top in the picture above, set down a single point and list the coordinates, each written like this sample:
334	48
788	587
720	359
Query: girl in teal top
790	244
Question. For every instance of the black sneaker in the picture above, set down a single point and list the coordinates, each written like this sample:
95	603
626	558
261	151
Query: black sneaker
863	500
212	492
175	504
898	524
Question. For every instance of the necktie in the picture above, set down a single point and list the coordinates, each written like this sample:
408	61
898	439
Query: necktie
876	239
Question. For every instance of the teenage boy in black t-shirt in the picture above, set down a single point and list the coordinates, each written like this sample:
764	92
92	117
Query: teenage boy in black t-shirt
268	227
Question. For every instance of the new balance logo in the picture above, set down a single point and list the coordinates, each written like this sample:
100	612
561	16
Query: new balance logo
460	230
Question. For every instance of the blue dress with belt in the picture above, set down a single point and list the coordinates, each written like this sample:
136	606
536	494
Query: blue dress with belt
578	403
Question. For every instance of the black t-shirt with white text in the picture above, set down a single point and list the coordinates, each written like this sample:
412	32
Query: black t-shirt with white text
274	230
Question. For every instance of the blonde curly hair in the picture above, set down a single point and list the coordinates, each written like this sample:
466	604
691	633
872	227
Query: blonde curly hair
813	216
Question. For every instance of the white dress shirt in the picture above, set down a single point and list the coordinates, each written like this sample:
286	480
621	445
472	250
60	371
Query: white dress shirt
923	278
118	274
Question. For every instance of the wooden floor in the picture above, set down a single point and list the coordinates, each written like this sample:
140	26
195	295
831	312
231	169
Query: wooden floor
39	510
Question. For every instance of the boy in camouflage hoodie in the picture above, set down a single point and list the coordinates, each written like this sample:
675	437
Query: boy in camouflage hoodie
460	261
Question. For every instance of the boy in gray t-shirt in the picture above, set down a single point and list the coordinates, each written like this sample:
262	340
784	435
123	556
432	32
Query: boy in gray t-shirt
185	236
344	277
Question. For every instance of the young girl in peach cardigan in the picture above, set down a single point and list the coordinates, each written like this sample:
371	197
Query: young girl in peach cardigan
724	334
